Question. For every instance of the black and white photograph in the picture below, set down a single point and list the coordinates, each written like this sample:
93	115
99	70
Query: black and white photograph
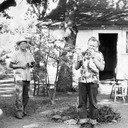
63	63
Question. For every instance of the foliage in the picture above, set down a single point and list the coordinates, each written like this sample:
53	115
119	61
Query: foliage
71	112
37	16
43	46
3	66
90	12
6	3
53	54
106	114
102	12
13	26
55	10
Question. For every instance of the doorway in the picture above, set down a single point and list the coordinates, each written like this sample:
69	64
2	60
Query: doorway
108	46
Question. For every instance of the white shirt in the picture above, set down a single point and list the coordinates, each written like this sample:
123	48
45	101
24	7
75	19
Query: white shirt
22	58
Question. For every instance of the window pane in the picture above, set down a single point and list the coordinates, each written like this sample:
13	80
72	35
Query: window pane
126	42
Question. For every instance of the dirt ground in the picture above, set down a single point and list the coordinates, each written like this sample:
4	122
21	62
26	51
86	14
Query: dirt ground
39	107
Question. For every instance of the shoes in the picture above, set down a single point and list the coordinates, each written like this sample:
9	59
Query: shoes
87	123
93	121
83	121
19	115
24	113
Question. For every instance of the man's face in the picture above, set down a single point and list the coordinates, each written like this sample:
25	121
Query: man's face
92	45
23	45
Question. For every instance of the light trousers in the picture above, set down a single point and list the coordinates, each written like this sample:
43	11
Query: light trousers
22	94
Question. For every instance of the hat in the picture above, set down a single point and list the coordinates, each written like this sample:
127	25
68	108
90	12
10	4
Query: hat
21	39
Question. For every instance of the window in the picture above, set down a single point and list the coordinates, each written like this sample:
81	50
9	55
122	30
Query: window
126	42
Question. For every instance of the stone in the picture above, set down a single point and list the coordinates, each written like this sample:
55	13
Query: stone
64	118
56	117
70	122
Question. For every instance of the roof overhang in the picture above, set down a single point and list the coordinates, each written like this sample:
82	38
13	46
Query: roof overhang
104	27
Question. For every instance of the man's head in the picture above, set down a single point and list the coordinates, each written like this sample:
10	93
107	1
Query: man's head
93	43
22	43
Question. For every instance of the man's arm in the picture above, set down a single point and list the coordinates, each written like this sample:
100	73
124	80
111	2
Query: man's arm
79	62
100	65
15	66
99	62
78	65
93	66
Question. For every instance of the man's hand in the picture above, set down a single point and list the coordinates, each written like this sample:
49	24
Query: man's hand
78	64
79	57
24	67
28	65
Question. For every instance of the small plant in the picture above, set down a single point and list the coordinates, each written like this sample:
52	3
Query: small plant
106	114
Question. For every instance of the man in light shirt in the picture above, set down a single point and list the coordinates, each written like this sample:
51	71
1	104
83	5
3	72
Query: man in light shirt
22	61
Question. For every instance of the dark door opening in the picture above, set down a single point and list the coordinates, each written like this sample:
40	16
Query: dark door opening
109	49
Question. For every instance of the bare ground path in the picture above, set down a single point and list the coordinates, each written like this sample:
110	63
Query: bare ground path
40	105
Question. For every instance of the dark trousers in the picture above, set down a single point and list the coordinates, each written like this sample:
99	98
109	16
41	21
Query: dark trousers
22	96
88	96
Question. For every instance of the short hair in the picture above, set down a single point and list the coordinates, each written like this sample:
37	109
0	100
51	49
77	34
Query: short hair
94	39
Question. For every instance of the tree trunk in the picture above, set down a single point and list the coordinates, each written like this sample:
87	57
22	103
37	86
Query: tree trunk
65	75
65	79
